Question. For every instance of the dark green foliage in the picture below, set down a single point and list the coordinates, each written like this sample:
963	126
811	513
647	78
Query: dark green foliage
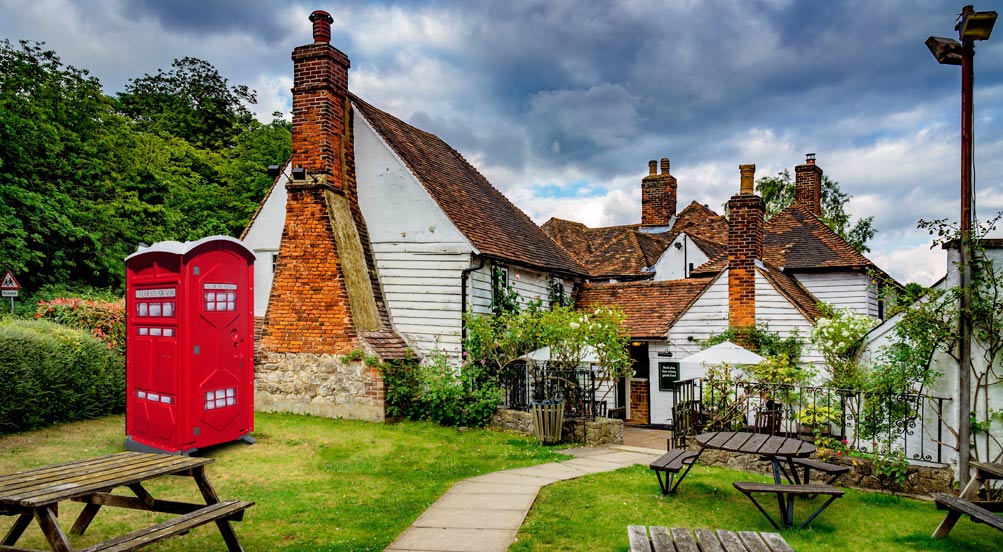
85	178
778	193
50	373
437	391
761	341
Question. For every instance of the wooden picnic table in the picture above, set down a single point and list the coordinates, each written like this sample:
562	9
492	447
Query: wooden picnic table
965	502
680	539
36	494
778	449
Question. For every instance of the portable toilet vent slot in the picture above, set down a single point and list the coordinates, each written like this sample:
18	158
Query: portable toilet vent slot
183	396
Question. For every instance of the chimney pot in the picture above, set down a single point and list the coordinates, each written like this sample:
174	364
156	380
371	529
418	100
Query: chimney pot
748	173
665	165
321	26
809	158
652	167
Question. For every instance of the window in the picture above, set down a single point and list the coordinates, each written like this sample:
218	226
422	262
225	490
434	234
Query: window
220	398
220	297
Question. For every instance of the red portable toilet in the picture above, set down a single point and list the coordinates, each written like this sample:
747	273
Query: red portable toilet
189	345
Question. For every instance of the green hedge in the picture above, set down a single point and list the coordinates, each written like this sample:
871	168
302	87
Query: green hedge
51	373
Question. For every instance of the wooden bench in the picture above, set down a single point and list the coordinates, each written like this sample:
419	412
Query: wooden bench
833	471
670	463
702	540
785	499
221	513
977	513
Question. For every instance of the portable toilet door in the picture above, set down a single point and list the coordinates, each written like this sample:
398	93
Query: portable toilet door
190	346
153	363
220	280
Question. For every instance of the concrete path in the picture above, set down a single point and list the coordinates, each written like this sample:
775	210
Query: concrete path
484	513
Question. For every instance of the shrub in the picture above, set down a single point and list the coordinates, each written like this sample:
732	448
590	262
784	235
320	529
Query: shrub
50	373
104	319
438	391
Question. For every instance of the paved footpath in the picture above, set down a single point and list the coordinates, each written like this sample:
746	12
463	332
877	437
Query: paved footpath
484	513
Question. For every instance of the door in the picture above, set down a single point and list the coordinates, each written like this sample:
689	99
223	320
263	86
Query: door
220	372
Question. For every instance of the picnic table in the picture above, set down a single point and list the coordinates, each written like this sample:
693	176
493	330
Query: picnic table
36	494
776	448
966	502
681	539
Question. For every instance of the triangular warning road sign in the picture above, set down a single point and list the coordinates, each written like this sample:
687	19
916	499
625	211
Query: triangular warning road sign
9	282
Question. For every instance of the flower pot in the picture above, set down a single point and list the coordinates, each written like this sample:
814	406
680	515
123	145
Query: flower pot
548	421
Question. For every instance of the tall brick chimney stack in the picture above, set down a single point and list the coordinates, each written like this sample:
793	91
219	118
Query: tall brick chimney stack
309	309
745	245
808	185
658	195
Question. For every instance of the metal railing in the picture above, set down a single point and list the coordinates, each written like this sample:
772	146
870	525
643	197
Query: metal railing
578	388
857	420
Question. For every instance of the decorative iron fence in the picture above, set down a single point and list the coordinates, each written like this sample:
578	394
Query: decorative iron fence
857	420
578	388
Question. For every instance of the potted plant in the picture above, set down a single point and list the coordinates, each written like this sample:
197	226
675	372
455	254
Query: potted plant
816	418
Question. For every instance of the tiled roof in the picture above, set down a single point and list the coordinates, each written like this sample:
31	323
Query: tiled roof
622	251
387	344
651	307
796	239
484	215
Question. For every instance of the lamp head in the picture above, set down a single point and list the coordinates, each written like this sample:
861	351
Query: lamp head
946	50
975	25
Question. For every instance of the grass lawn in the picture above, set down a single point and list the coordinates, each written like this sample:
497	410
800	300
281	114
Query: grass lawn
592	513
318	484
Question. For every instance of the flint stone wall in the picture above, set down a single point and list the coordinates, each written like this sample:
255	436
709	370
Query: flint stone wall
317	384
594	433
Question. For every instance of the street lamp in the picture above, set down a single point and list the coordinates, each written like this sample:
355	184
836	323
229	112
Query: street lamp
971	26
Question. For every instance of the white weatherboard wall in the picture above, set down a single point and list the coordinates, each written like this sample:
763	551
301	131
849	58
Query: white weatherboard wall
851	290
674	262
263	237
709	316
420	254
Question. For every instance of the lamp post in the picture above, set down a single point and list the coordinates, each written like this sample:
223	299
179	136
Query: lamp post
971	26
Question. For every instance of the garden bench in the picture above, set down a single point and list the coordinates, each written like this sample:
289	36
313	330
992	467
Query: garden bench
833	471
785	499
670	463
964	503
232	510
702	540
977	513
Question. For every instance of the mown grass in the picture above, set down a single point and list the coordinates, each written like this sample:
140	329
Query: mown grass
592	513
318	484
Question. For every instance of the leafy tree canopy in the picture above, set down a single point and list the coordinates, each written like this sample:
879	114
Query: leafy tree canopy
191	101
81	184
779	191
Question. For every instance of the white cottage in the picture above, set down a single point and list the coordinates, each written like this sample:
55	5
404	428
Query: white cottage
684	277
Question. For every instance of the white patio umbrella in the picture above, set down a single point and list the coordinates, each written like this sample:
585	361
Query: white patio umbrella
543	354
695	365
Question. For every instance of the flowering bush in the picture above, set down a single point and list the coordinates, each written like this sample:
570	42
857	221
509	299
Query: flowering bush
836	336
105	320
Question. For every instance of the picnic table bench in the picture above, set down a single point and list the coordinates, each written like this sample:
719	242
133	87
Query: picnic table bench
679	539
669	464
785	499
965	504
36	494
809	464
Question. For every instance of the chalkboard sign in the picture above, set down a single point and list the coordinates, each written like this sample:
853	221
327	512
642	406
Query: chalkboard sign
668	374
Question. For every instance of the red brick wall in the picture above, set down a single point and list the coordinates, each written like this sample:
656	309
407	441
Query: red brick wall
658	196
745	245
808	186
639	401
309	309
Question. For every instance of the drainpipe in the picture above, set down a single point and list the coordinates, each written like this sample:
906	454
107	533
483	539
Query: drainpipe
464	276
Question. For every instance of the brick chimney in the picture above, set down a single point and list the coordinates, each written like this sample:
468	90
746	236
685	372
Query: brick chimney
658	195
745	245
309	309
808	185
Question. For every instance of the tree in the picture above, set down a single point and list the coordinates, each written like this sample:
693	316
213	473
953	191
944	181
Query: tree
191	101
778	192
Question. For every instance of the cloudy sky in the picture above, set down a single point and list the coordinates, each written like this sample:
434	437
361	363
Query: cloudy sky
562	103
